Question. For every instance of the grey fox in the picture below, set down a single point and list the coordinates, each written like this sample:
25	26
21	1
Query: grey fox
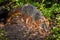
29	24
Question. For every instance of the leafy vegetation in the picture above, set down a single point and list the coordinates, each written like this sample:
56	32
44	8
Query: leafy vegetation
50	9
55	34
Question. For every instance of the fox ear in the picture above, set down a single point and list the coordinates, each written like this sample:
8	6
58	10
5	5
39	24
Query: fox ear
26	4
